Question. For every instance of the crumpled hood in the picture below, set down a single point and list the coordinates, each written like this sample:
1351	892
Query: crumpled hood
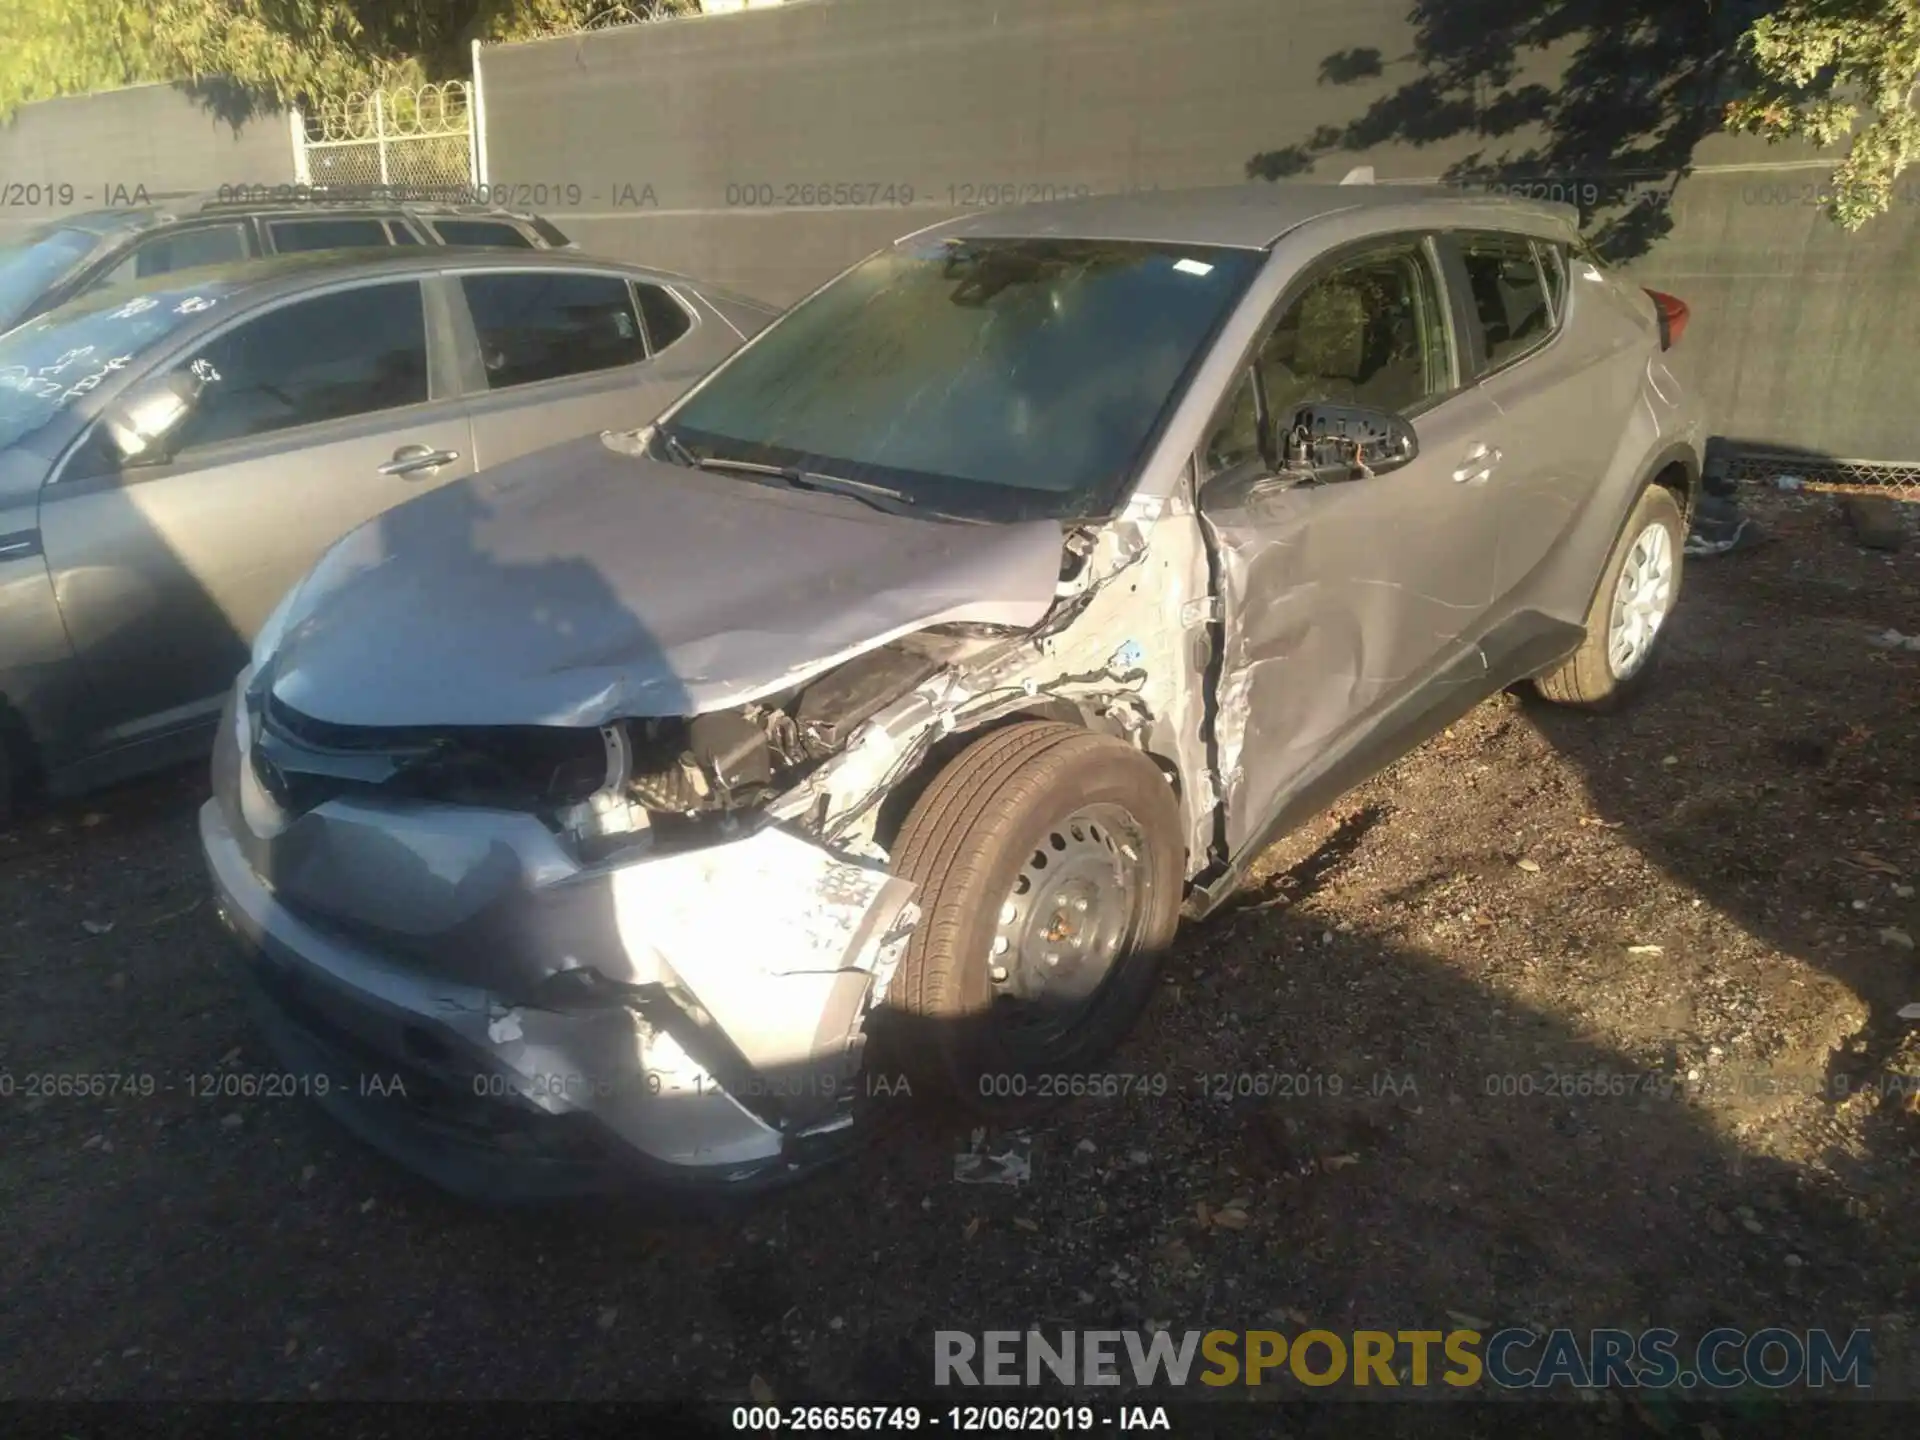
578	584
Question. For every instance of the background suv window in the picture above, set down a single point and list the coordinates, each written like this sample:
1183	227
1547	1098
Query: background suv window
666	321
178	250
327	233
481	232
534	326
349	353
1509	296
1368	333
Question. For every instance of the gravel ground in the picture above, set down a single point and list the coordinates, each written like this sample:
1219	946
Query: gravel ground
1706	897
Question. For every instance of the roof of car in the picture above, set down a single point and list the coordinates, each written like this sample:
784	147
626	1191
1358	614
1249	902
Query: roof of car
276	200
1249	217
272	275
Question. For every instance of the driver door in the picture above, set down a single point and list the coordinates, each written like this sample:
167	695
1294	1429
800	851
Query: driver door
1344	602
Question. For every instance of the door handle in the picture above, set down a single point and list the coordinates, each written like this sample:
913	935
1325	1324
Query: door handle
418	460
1478	465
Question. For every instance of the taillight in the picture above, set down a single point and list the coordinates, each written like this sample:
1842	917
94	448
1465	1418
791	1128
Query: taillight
1673	318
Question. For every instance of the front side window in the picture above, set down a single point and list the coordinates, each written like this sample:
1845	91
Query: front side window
533	326
998	379
481	232
1369	332
331	233
1509	296
178	250
352	352
58	359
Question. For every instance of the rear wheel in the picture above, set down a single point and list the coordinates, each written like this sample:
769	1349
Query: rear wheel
1050	865
1636	595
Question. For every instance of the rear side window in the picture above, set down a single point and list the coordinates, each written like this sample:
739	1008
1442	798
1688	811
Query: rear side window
330	233
178	250
534	326
1508	294
666	321
335	356
481	232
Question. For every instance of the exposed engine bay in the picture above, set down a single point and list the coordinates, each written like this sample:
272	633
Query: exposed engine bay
673	776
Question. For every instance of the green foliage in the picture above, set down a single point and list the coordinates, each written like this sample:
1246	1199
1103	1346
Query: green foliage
1828	71
68	47
281	51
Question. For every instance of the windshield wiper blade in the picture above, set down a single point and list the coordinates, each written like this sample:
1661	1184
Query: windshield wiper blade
880	497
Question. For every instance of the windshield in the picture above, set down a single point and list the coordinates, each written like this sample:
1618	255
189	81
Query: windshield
998	379
30	265
55	359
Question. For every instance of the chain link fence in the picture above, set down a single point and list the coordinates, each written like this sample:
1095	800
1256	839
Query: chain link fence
407	137
1895	479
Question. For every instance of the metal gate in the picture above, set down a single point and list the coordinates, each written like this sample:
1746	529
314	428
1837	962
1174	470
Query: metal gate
408	137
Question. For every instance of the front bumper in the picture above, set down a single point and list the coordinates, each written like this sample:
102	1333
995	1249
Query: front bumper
403	956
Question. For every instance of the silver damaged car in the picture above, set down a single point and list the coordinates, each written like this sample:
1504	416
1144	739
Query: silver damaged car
650	806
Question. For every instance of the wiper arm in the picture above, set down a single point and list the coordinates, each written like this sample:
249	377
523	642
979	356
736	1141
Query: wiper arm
880	497
677	451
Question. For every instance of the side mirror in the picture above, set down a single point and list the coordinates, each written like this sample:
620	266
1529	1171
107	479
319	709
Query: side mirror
1346	442
139	423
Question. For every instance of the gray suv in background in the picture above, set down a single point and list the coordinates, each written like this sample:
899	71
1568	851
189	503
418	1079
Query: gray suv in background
175	453
654	802
53	263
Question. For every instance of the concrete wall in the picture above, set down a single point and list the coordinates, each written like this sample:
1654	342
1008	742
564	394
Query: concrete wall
92	151
664	142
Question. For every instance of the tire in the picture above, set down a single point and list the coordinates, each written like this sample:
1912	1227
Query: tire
1003	806
1588	678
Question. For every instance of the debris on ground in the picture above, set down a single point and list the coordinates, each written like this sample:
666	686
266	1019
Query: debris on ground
1894	640
1009	1162
1719	526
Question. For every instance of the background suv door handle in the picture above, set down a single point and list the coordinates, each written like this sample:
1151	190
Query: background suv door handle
1477	465
420	459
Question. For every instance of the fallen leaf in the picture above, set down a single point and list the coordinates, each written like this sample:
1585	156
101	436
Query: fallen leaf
607	1317
96	927
1897	938
1339	1162
1230	1219
973	1229
1873	862
1205	1212
761	1392
1645	950
1532	867
1025	1224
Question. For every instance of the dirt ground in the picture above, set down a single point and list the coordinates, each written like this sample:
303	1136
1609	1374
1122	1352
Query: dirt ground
1707	898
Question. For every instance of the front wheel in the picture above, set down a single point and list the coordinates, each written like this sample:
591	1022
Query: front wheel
1049	863
1636	595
